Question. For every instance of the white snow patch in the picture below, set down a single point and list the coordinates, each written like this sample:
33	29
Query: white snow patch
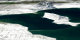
59	19
8	9
16	11
10	31
61	5
68	5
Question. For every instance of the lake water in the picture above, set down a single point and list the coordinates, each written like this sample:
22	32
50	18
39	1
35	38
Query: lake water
44	26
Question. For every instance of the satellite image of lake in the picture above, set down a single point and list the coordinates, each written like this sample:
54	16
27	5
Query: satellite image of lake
38	25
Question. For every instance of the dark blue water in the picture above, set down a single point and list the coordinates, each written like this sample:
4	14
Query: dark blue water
72	13
72	33
35	22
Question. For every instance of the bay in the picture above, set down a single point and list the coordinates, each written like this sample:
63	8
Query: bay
44	26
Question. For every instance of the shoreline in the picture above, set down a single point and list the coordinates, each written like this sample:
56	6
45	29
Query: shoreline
28	2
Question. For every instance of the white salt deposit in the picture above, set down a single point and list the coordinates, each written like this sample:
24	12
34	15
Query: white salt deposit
10	31
59	19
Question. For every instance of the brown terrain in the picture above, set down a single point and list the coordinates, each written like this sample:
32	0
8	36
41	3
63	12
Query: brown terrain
27	2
